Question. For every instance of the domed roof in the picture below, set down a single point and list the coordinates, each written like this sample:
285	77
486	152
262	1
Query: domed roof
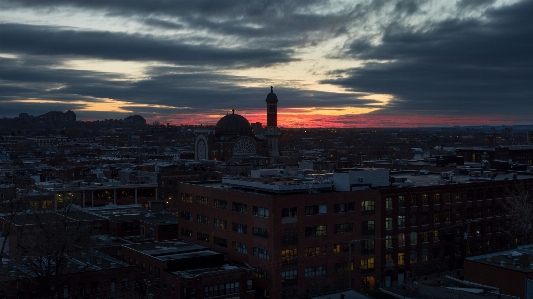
233	123
272	97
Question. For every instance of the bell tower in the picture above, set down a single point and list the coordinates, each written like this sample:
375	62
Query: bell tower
271	131
272	108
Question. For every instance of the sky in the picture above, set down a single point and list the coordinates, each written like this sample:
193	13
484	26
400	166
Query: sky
353	63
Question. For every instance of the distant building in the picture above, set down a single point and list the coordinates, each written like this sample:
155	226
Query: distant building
510	271
233	138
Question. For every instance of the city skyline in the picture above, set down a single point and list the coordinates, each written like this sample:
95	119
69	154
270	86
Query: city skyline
332	64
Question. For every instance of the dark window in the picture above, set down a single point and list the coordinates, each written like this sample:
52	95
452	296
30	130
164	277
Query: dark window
238	207
343	207
260	232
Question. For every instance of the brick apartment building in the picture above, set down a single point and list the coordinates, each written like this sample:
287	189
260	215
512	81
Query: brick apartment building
297	235
180	269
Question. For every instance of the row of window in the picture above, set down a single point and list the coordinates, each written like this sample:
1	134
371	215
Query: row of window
438	198
289	256
222	204
224	289
413	238
259	211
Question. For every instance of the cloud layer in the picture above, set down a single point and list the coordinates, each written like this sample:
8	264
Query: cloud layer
465	61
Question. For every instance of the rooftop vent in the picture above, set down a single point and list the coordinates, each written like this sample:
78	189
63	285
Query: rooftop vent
502	263
515	262
510	255
489	259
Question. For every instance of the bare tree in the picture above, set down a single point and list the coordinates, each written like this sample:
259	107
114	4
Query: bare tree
48	242
518	206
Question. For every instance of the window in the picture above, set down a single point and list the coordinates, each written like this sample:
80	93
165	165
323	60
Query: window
388	223
388	203
401	258
343	207
447	216
414	200
401	201
316	231
368	227
186	197
260	211
315	210
238	207
289	277
240	248
289	212
341	247
367	264
239	228
220	203
425	199
447	198
368	206
261	253
436	218
113	286
202	200
435	235
289	256
458	197
202	237
401	239
401	221
186	215
425	237
215	290
125	285
315	271
260	273
223	224
343	228
388	241
316	251
412	259
260	232
368	246
436	198
339	267
424	255
289	236
202	219
414	219
186	232
413	238
220	242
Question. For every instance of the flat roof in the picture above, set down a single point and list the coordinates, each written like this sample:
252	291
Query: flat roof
166	248
519	259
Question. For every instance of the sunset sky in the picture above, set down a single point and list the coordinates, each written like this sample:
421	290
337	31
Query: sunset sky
353	63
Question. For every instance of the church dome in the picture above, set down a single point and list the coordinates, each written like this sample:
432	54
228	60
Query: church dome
233	123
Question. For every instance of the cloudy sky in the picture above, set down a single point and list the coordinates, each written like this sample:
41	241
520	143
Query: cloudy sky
355	63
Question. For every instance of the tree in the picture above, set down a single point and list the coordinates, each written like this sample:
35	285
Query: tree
518	206
47	244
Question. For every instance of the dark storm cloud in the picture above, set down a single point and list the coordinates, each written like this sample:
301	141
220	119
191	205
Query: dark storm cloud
462	66
40	40
190	89
271	23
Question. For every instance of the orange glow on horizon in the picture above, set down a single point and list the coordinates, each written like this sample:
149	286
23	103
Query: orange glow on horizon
300	118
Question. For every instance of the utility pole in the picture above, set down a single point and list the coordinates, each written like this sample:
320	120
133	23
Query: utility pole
350	267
